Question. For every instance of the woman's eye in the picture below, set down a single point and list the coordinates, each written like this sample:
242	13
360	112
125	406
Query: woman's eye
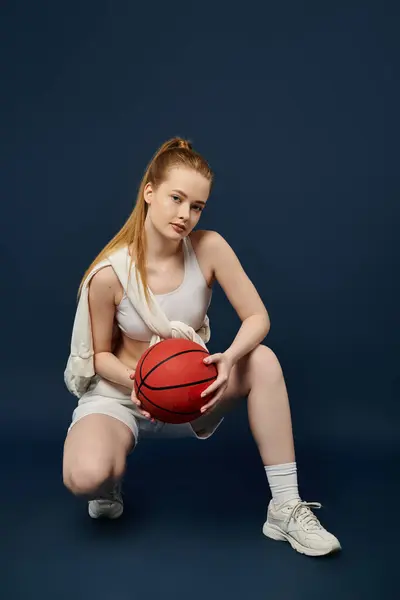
176	198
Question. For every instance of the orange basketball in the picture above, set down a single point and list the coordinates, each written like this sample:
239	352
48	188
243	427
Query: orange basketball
169	378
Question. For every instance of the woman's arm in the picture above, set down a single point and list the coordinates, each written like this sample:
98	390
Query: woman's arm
242	295
102	292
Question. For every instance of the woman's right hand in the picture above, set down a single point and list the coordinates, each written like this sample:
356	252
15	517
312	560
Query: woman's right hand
135	400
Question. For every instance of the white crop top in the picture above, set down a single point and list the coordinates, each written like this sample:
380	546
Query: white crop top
187	303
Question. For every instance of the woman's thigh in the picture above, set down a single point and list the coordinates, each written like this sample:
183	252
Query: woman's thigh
95	451
261	362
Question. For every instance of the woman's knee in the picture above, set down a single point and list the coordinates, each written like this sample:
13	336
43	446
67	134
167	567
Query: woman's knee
265	363
95	452
90	474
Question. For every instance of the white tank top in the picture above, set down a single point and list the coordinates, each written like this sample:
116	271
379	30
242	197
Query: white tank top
187	303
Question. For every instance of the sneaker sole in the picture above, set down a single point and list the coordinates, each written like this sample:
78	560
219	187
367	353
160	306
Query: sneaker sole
277	534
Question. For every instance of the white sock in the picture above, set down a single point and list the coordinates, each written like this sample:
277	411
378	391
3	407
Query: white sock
282	481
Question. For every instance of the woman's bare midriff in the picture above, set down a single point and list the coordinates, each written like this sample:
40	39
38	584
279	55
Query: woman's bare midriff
129	351
162	281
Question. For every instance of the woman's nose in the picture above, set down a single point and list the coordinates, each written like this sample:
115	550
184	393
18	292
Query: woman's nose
184	212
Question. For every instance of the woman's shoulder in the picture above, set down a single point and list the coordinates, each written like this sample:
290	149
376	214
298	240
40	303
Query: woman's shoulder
104	281
207	240
205	237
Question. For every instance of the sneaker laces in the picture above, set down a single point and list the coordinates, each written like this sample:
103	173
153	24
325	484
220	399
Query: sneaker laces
302	512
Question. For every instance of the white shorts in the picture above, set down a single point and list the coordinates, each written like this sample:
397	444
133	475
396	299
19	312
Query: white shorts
102	397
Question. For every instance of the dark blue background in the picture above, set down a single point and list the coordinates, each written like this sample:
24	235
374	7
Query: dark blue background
295	105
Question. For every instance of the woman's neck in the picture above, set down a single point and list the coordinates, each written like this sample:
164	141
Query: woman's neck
159	249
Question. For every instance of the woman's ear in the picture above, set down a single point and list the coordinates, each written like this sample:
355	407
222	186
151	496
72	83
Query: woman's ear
148	193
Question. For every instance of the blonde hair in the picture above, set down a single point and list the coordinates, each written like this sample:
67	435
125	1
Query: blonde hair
176	152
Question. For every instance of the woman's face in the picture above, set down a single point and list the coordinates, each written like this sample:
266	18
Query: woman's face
176	205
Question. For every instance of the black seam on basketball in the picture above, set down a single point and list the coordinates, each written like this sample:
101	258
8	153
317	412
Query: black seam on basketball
143	379
180	385
148	352
172	412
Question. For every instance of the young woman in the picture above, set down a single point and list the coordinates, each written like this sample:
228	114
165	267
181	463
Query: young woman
179	266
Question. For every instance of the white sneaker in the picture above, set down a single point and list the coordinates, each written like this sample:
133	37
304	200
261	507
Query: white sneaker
110	506
294	522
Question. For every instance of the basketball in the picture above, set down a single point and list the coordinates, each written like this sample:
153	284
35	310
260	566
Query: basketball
169	378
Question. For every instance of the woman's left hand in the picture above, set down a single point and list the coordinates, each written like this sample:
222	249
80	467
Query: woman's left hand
224	366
